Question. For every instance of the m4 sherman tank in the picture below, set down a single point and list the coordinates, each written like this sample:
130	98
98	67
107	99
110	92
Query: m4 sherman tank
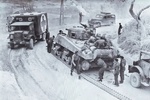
77	39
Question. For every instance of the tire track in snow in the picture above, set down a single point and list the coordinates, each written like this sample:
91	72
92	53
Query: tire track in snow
14	71
17	65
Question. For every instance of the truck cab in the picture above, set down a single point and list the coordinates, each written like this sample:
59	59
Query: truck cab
20	32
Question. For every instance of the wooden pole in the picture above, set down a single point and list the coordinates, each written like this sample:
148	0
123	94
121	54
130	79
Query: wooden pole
61	19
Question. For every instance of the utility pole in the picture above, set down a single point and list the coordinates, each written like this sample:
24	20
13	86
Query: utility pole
61	19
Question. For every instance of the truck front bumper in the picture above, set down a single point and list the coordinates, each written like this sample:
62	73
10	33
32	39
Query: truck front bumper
18	43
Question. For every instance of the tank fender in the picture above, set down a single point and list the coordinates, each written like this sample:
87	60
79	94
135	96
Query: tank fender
139	69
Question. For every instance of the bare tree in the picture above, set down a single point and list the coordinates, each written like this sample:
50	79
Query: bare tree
140	26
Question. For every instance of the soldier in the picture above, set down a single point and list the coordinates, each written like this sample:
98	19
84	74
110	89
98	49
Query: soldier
47	36
100	44
122	68
103	67
91	40
84	25
75	63
119	29
116	67
61	32
49	44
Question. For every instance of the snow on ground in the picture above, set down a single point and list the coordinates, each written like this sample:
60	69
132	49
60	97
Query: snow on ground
65	86
9	89
43	76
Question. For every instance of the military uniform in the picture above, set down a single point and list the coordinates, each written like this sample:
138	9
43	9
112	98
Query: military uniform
122	69
49	44
116	67
103	67
75	63
119	29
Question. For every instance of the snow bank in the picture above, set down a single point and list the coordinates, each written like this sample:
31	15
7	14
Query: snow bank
131	41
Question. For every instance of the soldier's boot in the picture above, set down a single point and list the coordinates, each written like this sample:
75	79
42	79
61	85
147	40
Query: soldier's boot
121	81
79	77
71	74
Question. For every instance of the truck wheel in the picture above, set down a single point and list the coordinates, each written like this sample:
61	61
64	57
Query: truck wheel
99	24
43	37
31	42
135	79
12	46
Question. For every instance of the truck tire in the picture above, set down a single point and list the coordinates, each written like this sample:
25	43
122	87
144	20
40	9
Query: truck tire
135	79
99	24
43	37
31	43
12	46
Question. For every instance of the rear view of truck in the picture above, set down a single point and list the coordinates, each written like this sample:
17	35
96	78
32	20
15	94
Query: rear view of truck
27	28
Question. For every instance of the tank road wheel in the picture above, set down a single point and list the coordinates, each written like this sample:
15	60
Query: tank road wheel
85	65
66	56
59	54
57	51
135	79
43	37
31	43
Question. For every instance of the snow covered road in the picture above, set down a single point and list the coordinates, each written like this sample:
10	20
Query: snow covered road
39	77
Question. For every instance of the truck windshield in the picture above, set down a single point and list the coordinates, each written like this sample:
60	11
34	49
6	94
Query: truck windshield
19	28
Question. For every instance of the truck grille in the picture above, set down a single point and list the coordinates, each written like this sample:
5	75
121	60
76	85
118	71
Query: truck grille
18	36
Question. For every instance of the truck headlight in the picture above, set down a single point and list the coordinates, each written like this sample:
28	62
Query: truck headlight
11	36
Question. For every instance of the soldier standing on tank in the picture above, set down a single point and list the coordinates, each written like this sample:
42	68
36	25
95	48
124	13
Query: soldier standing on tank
49	44
75	63
122	68
103	67
116	67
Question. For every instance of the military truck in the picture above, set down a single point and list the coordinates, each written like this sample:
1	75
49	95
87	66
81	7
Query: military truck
102	19
65	45
140	70
27	28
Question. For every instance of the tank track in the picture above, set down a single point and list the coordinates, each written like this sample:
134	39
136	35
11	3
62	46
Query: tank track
96	83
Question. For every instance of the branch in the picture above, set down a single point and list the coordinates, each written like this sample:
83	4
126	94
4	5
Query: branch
131	10
140	12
